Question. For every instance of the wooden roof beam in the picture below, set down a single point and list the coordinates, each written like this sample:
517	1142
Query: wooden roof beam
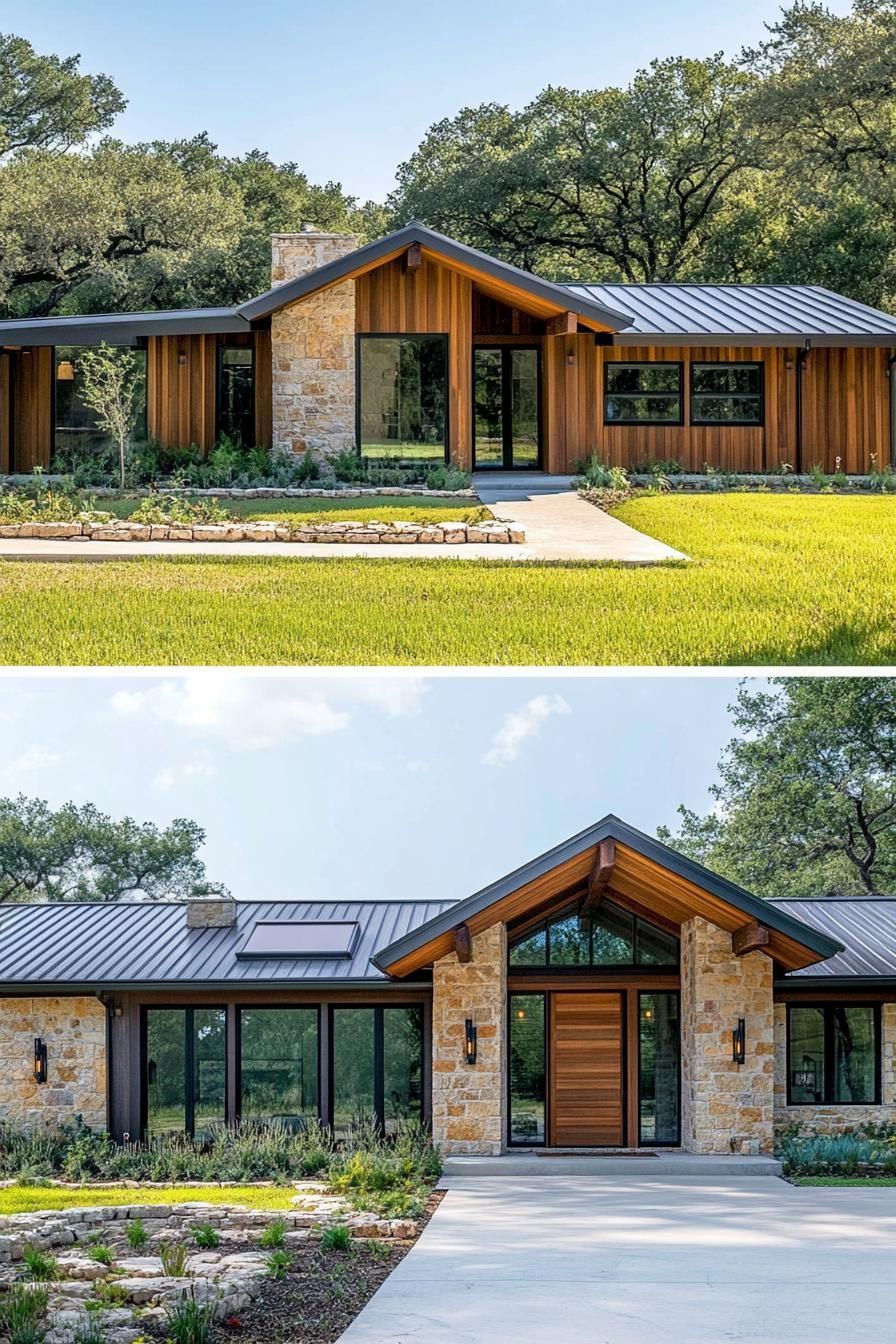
413	258
601	873
564	324
750	938
463	943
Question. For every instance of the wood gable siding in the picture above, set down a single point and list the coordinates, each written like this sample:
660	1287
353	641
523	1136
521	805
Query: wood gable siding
427	300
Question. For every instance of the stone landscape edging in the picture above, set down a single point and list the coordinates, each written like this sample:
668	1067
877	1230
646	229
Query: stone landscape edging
368	533
244	492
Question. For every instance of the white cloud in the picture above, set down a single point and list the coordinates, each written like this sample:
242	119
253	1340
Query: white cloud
170	775
33	758
521	725
252	713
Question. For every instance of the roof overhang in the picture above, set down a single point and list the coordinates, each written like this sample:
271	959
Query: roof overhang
645	871
511	284
118	328
794	340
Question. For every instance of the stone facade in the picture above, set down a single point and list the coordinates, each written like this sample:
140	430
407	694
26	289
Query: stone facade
469	1101
829	1119
74	1032
313	349
725	1107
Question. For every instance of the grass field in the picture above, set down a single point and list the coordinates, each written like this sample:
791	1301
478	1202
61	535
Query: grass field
774	580
843	1180
31	1198
373	508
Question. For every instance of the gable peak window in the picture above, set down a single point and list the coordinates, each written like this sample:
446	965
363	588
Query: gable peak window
611	937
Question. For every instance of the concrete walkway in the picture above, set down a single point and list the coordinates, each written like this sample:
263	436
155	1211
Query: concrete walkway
573	1260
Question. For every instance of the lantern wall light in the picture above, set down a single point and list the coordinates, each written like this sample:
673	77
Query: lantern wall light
40	1060
470	1041
739	1042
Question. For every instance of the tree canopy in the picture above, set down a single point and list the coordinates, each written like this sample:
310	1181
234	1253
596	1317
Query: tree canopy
805	803
77	853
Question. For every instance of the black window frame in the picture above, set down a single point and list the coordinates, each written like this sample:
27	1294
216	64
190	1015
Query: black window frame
378	1010
238	1052
726	364
442	336
545	996
507	349
827	1008
226	343
658	1143
591	967
643	364
188	1010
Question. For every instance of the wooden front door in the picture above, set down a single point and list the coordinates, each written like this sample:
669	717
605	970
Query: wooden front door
586	1070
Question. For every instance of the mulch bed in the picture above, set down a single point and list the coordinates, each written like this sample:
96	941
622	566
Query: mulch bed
321	1294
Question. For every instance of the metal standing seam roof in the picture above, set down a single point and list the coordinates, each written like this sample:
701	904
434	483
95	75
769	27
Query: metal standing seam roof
119	328
756	311
864	925
148	944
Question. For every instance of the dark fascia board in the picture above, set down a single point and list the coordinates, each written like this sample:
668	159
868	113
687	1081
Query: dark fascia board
815	983
119	328
764	340
611	827
287	293
32	989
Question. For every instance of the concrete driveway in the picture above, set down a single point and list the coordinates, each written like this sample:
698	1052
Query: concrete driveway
638	1261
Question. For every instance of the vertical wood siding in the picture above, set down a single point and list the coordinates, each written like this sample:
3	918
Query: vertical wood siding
32	416
846	409
180	397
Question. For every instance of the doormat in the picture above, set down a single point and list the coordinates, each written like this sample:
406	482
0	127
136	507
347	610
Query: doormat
593	1152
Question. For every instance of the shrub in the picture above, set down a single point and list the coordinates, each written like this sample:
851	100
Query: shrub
274	1235
658	466
883	481
307	468
39	1265
101	1254
189	1321
838	1154
136	1234
173	1255
278	1262
107	1294
594	474
22	1311
88	1331
206	1236
446	477
335	1238
173	509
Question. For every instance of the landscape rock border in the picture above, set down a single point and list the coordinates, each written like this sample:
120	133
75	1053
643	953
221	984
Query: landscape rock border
366	533
247	492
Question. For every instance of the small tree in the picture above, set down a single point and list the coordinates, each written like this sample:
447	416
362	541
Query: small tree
113	384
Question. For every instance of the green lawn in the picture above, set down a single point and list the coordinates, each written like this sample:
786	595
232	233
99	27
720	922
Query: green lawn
842	1180
31	1198
372	508
774	580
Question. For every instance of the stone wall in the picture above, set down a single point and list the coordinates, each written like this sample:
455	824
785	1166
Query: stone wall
74	1032
313	349
725	1108
830	1119
469	1104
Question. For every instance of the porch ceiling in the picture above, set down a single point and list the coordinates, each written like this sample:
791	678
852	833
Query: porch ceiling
646	872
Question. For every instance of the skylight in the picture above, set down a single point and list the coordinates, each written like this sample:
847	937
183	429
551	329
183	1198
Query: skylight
291	938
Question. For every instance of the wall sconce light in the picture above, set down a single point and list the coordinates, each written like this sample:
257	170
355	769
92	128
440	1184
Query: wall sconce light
181	358
570	358
469	1041
739	1042
40	1060
65	371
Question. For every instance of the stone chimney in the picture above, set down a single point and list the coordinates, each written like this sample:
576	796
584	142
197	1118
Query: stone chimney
211	912
313	348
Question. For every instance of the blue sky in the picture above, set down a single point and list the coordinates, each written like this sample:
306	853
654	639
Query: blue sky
348	88
313	785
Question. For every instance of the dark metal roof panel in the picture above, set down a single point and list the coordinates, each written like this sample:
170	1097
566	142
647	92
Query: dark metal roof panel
608	827
743	311
865	925
108	946
119	328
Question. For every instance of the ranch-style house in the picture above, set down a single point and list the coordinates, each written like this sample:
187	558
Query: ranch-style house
418	348
610	994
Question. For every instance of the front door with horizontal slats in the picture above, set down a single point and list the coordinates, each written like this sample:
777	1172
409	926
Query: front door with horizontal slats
586	1070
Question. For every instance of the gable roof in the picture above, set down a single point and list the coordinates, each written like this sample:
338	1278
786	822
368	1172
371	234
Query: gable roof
119	328
587	307
866	928
693	889
748	314
148	945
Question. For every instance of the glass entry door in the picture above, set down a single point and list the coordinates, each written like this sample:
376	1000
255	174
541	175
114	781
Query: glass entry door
507	407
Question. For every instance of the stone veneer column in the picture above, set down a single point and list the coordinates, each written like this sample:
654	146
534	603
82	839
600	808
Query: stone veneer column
74	1032
313	349
469	1101
821	1119
725	1108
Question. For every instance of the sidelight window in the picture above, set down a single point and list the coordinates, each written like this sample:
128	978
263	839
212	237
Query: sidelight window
402	397
236	393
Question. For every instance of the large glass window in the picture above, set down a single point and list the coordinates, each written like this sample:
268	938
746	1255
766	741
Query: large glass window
236	393
77	433
377	1066
185	1068
403	397
279	1066
832	1054
527	1069
642	394
658	1068
611	937
726	394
